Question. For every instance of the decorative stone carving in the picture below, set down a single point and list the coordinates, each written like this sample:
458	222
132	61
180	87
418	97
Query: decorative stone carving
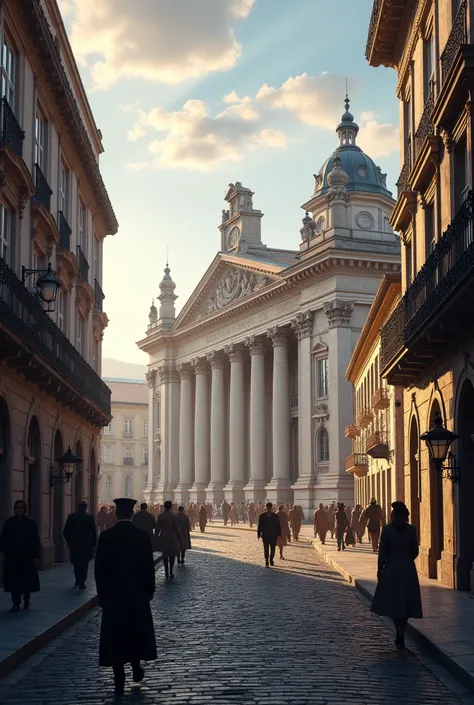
168	373
236	284
309	227
153	315
199	365
364	220
321	410
236	353
184	371
447	140
338	312
255	345
303	324
337	181
277	336
150	378
216	360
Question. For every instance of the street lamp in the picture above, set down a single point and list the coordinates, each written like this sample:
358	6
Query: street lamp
47	285
438	441
68	464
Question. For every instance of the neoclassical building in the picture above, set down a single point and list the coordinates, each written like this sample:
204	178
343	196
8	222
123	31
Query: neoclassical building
247	389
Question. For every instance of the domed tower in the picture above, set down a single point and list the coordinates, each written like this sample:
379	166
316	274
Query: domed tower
350	198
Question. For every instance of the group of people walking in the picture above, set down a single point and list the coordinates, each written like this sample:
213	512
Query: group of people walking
349	525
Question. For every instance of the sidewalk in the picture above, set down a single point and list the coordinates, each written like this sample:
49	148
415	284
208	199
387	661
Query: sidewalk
57	606
447	629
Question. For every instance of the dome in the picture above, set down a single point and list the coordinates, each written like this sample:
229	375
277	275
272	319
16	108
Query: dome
363	174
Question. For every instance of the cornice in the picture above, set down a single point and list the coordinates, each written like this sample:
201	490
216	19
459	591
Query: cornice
414	35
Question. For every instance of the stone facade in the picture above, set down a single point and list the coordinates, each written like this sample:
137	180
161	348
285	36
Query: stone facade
248	380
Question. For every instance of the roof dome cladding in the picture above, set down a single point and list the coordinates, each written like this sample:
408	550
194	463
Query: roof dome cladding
364	175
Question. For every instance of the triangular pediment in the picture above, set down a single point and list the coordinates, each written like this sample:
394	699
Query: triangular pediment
320	348
228	281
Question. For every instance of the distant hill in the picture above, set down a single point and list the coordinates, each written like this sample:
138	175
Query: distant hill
116	369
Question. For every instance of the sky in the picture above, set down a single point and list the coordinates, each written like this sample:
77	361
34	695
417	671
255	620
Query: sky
191	95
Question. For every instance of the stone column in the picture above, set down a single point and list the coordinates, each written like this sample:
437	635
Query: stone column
215	491
149	493
303	489
255	489
201	432
279	489
186	448
234	490
170	390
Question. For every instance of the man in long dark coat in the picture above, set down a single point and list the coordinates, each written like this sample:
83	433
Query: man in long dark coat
21	549
269	530
146	521
81	538
125	578
225	511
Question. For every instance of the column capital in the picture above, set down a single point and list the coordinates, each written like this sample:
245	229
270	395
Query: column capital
199	365
216	360
236	353
255	345
338	312
150	378
278	336
184	370
168	373
302	324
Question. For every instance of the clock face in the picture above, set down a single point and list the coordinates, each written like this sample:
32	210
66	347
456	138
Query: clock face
362	172
233	237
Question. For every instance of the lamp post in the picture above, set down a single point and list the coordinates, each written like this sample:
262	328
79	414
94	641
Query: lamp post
68	464
438	441
47	286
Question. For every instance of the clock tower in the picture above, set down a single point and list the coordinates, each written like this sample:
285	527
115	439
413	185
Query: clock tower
241	227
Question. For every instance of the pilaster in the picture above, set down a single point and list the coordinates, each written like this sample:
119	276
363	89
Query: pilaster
197	492
186	439
149	493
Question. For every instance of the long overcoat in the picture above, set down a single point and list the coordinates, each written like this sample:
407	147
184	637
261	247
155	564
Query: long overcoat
295	520
125	579
146	521
398	591
168	534
285	534
20	543
80	535
321	521
184	528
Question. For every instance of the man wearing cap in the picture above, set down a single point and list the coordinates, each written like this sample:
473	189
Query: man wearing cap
81	538
125	578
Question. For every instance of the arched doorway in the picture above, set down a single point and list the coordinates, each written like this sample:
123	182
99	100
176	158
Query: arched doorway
34	485
415	485
436	503
58	503
465	451
93	484
78	493
5	462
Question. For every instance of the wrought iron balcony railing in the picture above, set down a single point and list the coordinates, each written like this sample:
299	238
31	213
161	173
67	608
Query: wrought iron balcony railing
82	265
12	133
380	400
457	38
64	231
377	445
425	126
43	192
99	296
22	313
364	417
351	431
451	261
404	178
357	464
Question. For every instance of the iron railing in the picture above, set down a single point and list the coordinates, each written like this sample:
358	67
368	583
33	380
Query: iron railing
457	38
425	126
82	265
43	192
99	296
374	20
356	460
64	232
451	261
380	399
403	183
12	133
23	314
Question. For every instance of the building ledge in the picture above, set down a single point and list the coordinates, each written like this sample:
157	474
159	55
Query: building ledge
405	208
385	23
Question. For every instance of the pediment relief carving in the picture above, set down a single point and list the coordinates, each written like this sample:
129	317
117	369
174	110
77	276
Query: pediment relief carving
320	348
236	284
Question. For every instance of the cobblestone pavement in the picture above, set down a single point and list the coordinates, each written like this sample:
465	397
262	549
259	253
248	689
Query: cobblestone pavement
231	631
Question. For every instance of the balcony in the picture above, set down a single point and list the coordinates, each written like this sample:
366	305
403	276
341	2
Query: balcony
12	134
427	148
82	265
98	297
43	192
364	418
377	445
128	461
64	232
351	432
34	347
385	23
457	38
357	464
127	434
433	315
380	400
46	228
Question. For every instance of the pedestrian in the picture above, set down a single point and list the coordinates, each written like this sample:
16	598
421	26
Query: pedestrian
375	520
20	548
252	514
111	518
225	511
145	521
168	538
125	579
341	522
331	513
184	528
269	530
397	594
295	521
321	523
101	520
192	516
350	535
355	522
81	537
233	514
202	518
285	534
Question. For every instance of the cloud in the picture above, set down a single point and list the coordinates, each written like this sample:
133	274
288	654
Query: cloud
377	139
158	40
192	138
66	7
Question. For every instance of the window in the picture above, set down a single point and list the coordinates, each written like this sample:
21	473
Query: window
322	371
96	260
6	235
406	127
128	485
128	427
95	356
82	228
40	142
81	336
145	428
107	454
127	452
8	74
108	430
62	300
461	187
430	237
108	486
323	446
408	263
157	413
145	456
428	66
64	192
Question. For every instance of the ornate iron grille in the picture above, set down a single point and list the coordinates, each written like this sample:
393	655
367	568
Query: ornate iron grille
64	232
82	265
43	192
12	133
374	20
425	126
404	178
99	296
457	38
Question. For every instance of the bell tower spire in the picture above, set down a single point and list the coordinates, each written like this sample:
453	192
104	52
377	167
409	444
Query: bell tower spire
241	227
347	129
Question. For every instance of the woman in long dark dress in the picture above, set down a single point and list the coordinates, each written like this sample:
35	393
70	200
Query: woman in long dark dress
398	590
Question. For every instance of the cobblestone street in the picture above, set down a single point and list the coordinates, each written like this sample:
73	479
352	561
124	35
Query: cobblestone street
231	631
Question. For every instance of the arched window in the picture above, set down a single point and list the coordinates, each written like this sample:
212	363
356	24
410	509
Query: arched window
128	486
108	486
323	445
